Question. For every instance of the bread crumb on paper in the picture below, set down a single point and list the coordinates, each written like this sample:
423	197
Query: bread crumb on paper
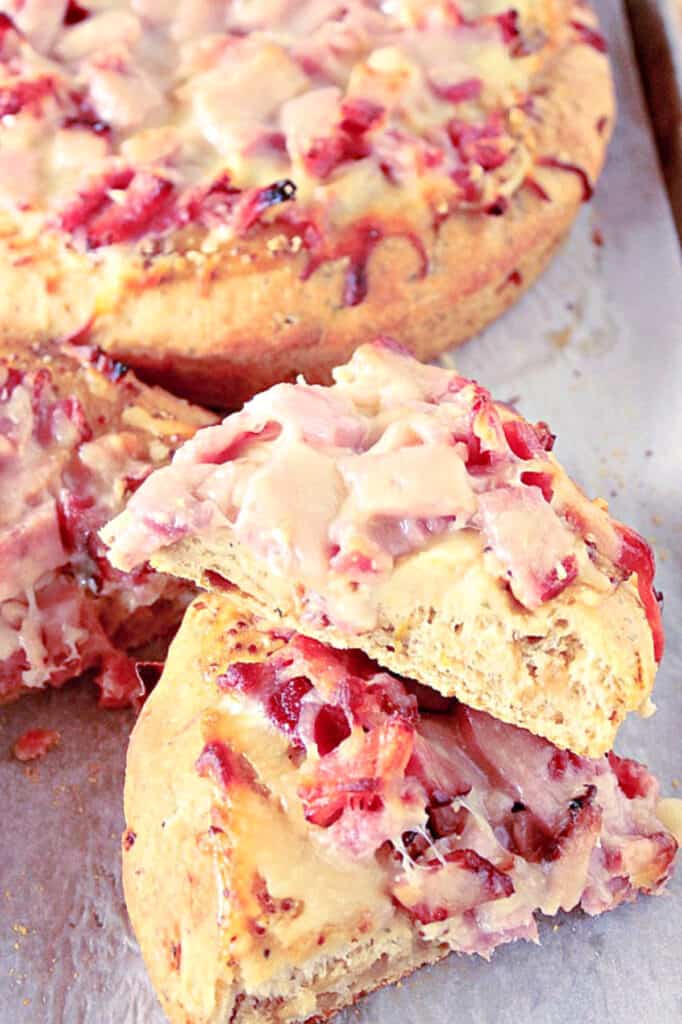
35	743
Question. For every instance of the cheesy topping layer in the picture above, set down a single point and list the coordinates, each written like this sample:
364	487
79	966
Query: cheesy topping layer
127	120
335	486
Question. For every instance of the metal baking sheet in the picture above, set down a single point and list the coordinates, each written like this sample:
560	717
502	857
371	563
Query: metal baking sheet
596	349
657	31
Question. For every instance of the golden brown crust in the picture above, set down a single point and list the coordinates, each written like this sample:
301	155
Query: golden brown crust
244	319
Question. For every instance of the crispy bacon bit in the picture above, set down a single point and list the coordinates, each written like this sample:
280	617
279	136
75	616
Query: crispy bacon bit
498	207
6	24
637	556
129	838
564	165
358	115
590	36
35	743
508	23
72	511
482	883
85	116
581	817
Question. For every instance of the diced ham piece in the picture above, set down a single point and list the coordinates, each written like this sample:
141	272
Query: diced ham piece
308	117
146	198
536	550
99	34
230	102
418	481
35	743
123	98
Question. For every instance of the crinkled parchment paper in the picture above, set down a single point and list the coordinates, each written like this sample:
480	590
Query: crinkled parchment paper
596	349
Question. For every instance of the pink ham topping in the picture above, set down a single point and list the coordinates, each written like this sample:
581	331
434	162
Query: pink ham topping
478	824
174	94
335	486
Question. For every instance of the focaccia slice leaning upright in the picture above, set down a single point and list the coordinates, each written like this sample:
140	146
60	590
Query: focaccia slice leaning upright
303	827
403	512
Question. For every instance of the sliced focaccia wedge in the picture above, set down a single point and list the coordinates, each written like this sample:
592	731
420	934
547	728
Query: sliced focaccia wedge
303	827
403	512
78	434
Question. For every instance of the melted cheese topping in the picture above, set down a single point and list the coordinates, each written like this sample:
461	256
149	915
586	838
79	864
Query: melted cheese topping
182	95
468	825
336	487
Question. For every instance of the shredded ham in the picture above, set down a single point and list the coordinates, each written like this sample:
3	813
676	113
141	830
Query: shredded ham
478	824
334	486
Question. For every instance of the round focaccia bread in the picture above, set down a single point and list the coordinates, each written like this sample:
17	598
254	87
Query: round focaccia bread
303	827
225	195
78	434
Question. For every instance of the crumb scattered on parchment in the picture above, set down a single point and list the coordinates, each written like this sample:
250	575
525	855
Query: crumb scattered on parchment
19	929
597	237
35	743
656	520
675	783
561	338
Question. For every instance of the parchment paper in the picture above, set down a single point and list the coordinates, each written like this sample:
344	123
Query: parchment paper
596	349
